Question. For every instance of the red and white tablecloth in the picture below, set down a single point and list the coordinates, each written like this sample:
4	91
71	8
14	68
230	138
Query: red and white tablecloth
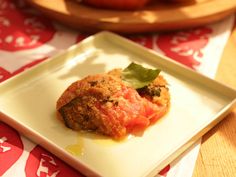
28	38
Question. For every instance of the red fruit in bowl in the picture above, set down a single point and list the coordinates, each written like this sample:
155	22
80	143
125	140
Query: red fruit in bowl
117	4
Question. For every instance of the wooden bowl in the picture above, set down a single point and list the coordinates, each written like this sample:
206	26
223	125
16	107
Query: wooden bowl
155	16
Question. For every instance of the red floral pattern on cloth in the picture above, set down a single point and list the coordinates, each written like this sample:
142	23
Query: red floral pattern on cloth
41	163
22	30
11	147
185	46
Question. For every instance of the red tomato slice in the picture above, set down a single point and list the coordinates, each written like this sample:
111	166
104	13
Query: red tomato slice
117	4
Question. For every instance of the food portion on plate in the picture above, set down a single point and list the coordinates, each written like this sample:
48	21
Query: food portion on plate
117	103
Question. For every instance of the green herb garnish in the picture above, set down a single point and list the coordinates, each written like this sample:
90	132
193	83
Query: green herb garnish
137	76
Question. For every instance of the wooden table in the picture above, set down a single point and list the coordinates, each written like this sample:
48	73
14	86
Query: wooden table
217	156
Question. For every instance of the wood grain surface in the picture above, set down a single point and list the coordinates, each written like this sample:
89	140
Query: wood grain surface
157	16
217	155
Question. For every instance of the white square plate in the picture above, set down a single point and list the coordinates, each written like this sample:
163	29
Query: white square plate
28	101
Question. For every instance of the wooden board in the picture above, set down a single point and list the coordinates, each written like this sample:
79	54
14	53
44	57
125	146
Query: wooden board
220	162
157	16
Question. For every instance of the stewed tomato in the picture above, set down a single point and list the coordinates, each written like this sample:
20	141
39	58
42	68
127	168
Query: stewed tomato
117	4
